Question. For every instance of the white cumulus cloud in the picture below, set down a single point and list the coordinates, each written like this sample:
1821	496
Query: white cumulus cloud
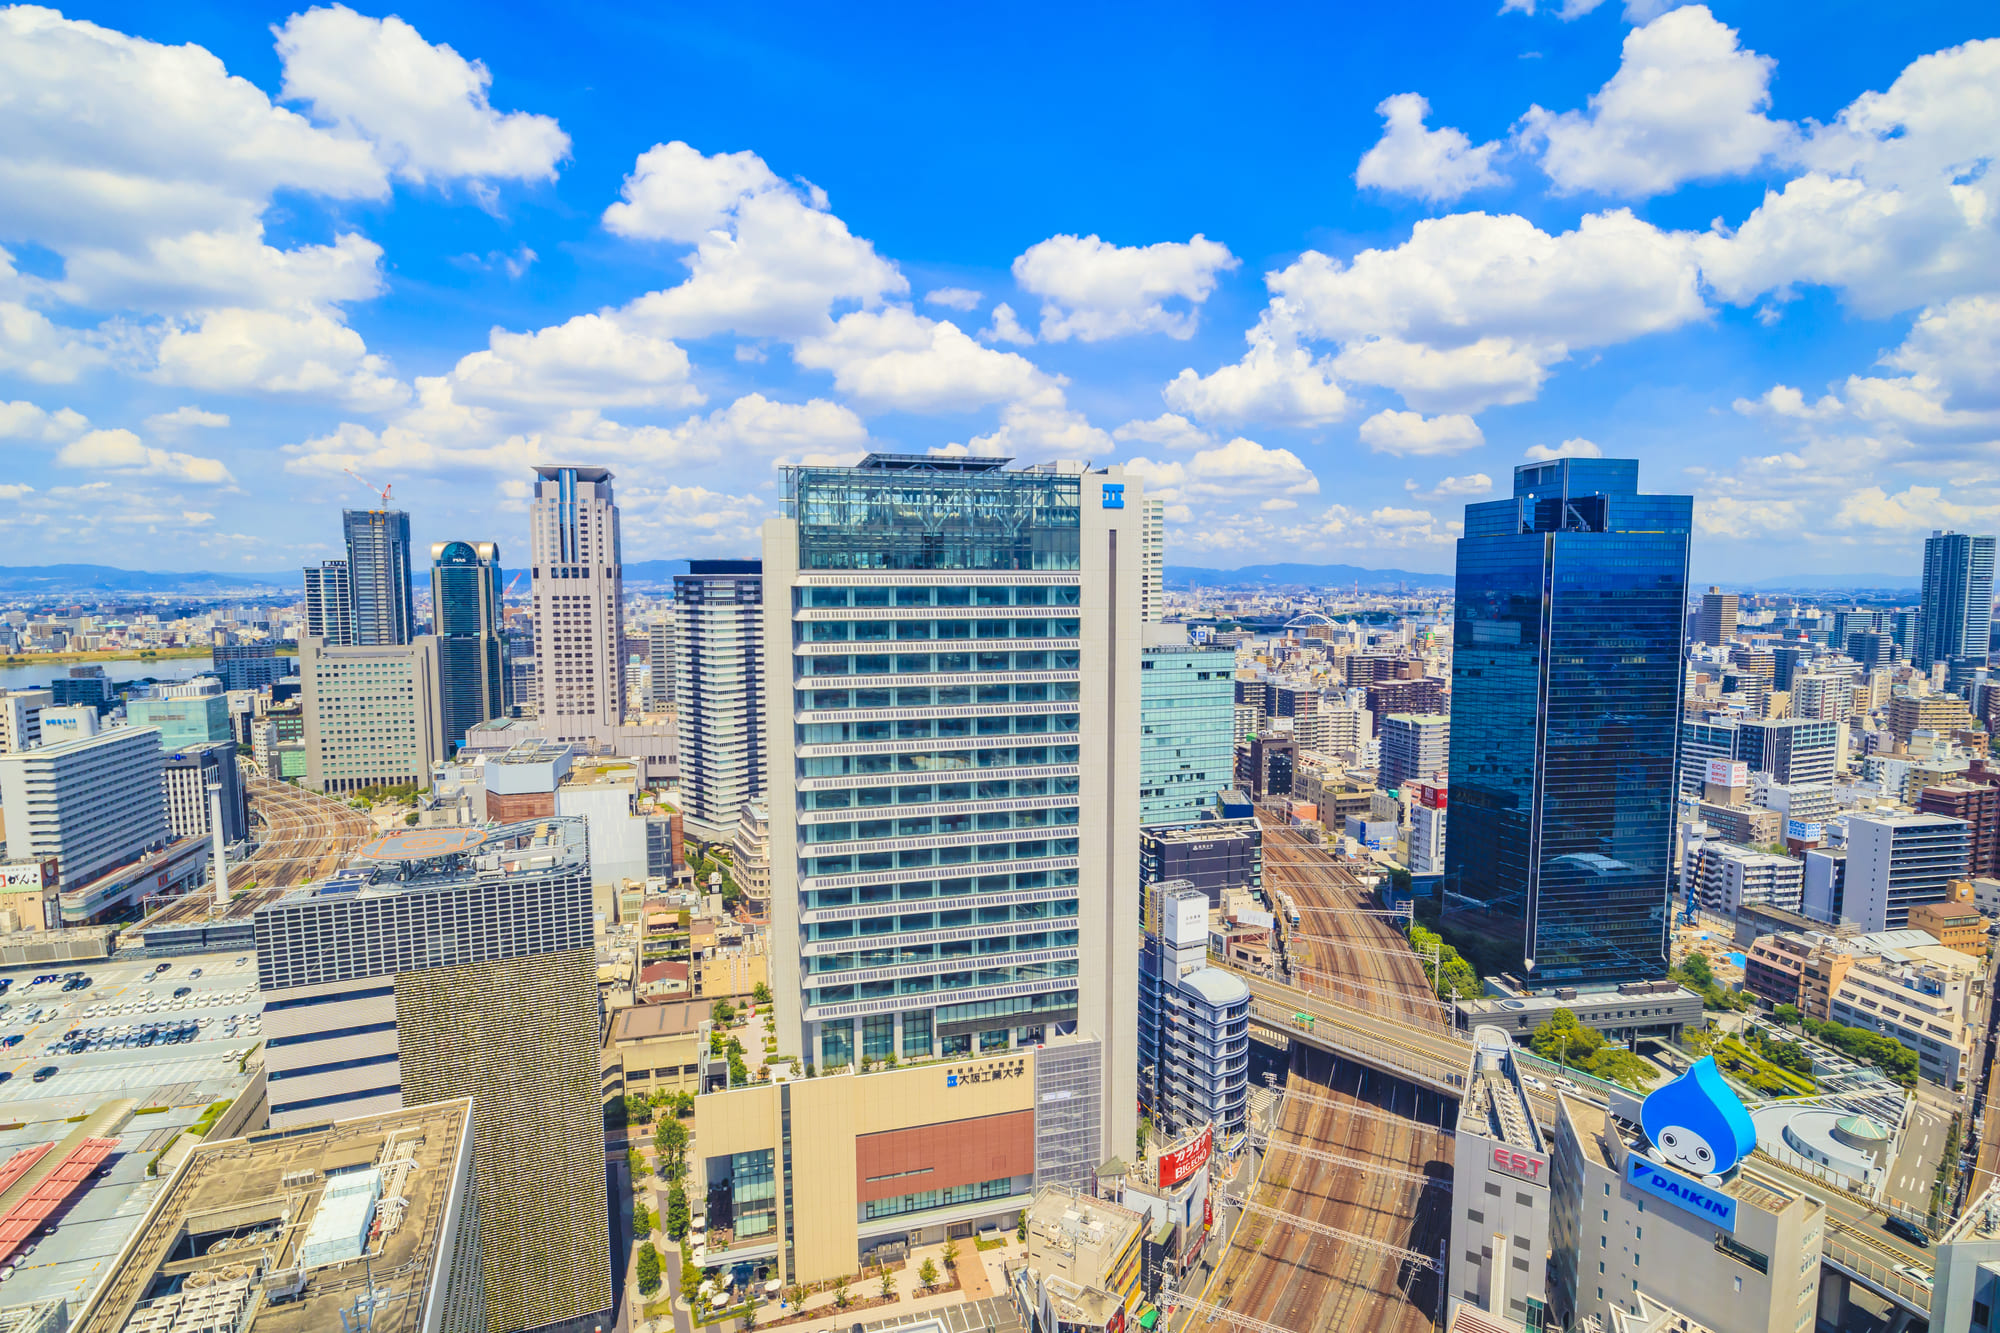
1092	290
1437	166
1411	434
1571	448
123	452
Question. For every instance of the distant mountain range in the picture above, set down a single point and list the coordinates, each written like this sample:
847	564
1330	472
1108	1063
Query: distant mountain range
1819	582
1308	576
52	579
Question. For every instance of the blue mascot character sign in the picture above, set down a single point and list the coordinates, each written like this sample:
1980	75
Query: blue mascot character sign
1697	1125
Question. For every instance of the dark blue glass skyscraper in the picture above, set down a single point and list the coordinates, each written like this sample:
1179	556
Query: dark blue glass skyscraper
1565	715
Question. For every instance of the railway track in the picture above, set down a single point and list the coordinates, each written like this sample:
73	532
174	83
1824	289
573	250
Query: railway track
306	835
1287	1275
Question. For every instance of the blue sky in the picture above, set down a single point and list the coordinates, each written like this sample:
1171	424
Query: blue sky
1321	277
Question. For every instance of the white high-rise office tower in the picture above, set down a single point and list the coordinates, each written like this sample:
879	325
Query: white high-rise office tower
719	691
952	653
579	604
1153	558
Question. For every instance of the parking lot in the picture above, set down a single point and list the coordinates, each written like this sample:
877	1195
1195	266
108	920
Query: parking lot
172	1082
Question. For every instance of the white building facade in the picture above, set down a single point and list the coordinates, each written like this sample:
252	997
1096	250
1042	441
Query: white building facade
579	589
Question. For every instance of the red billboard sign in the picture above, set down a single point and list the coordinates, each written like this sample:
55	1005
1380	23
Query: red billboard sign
1522	1165
1190	1157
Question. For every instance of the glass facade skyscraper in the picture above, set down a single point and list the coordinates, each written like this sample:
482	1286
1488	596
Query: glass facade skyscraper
465	603
1187	720
951	652
1566	703
378	576
1957	616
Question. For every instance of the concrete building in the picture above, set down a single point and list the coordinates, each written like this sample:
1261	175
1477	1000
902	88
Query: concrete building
752	860
1416	747
1730	877
606	798
579	592
69	722
91	805
1897	861
187	775
1194	1020
1774	966
1715	622
1957	613
720	693
1921	1005
1956	923
1942	713
329	603
1793	750
1739	1256
1965	1281
1217	856
21	718
1499	1252
378	576
973	631
1153	561
385	1202
473	684
249	666
661	665
185	720
440	967
521	781
371	714
1428	811
1824	896
655	1048
883	1160
1634	1011
1978	806
1083	1268
1186	717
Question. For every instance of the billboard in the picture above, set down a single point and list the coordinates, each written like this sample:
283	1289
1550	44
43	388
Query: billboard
1728	773
1527	1166
1798	830
1190	1157
18	875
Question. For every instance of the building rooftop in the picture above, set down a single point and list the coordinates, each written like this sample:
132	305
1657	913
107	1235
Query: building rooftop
1494	1104
1073	1241
673	1019
232	1239
430	858
1594	1126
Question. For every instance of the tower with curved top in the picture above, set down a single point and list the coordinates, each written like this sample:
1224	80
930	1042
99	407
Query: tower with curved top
472	668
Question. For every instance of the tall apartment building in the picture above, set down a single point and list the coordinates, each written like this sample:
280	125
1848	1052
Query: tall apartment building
1187	701
1957	616
21	718
1978	806
951	652
249	666
371	714
579	588
1416	747
473	686
91	804
719	691
1896	861
378	576
431	970
1429	812
1194	1020
329	603
1715	622
1563	766
660	665
1942	713
187	775
1153	557
1792	750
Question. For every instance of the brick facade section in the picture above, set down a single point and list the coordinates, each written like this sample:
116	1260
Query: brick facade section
512	807
958	1152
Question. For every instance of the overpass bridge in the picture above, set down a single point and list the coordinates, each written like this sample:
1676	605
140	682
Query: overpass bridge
1437	1059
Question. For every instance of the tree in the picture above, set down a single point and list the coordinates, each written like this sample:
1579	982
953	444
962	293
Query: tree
887	1286
677	1211
928	1274
722	1012
635	1162
643	1221
1021	1231
637	1109
951	1253
1454	973
671	1140
649	1269
690	1281
683	1104
1562	1038
1787	1015
1145	1135
840	1297
760	993
1696	969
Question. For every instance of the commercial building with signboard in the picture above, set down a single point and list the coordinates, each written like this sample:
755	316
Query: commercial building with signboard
808	1179
1500	1191
1647	1201
1194	1020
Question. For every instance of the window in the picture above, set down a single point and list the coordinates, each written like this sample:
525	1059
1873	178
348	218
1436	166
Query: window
1474	1216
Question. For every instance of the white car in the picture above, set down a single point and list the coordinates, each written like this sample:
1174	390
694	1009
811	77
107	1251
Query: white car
1534	1082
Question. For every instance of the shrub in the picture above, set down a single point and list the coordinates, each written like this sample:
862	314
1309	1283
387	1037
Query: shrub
649	1269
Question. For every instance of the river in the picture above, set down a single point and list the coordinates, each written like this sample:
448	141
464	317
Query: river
172	668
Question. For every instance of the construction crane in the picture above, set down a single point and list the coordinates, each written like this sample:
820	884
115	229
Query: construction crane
514	582
370	485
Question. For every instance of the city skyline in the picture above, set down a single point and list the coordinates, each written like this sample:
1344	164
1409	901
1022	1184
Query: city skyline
440	292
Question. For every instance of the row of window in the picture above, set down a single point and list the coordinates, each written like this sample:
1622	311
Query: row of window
939	1198
946	696
1001	789
860	863
947	761
923	826
942	631
939	664
944	982
995	946
923	889
942	728
996	914
819	598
